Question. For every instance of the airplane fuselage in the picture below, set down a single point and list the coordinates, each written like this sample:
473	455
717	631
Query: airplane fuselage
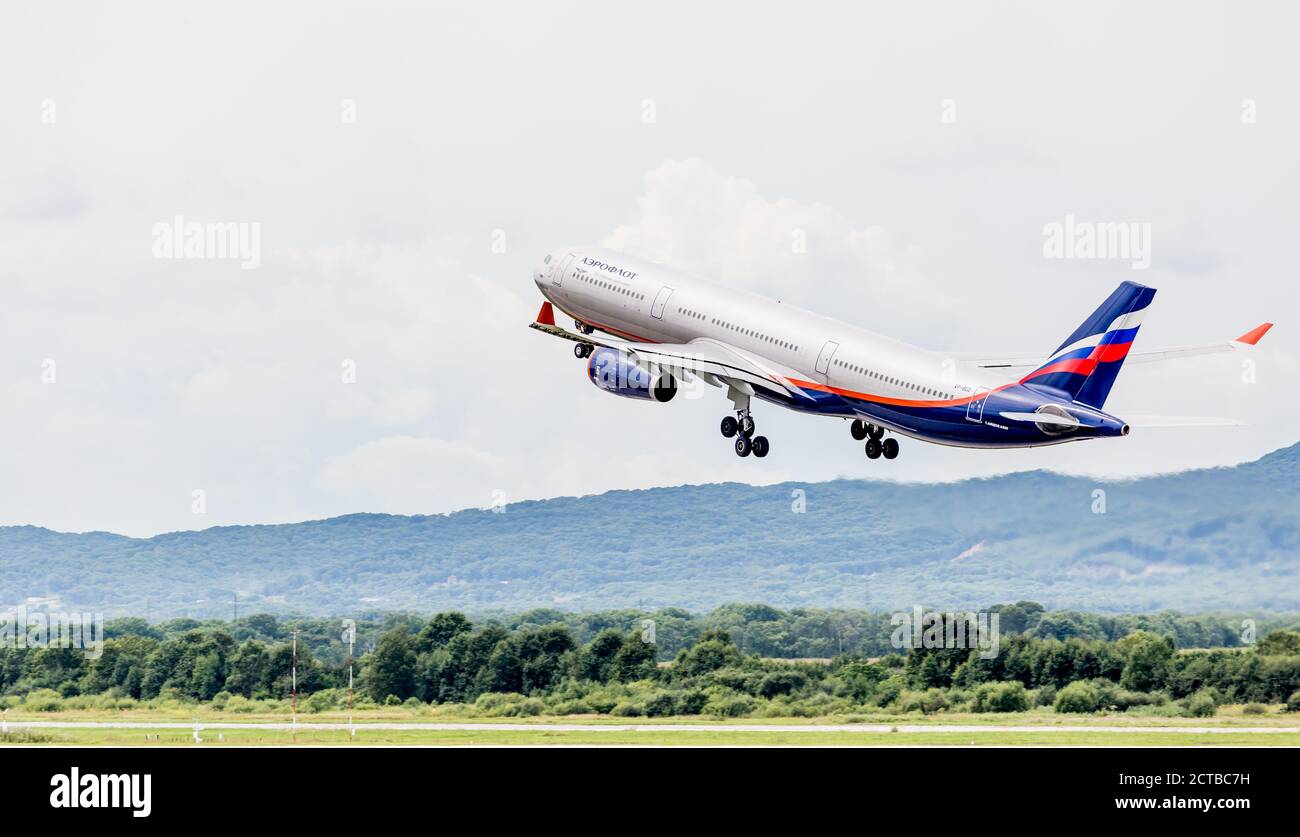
836	368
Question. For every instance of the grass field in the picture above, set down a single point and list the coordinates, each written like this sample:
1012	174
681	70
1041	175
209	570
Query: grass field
151	728
543	737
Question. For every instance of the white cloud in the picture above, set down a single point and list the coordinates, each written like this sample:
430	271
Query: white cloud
376	239
722	227
235	385
209	383
405	407
413	475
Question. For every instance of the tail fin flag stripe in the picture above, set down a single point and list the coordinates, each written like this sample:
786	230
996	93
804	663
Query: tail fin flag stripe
1111	352
1086	364
1077	366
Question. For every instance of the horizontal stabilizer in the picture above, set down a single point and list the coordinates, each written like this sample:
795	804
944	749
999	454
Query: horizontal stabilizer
1183	421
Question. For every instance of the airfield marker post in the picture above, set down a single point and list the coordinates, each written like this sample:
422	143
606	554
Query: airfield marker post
293	684
350	637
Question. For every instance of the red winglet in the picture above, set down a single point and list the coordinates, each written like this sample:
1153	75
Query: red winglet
1252	337
547	315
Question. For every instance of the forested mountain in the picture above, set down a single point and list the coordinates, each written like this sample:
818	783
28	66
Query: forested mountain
1226	538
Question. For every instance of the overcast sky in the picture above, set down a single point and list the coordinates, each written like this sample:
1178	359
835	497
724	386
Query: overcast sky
383	150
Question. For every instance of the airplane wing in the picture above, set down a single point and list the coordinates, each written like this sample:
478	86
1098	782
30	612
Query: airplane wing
718	363
1012	363
1183	421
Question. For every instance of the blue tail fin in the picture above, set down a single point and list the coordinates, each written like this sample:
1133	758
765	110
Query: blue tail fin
1087	363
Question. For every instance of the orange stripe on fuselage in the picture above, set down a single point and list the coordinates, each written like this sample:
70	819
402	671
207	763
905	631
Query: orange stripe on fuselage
897	402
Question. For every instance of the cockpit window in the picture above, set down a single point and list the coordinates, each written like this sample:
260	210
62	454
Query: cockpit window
548	259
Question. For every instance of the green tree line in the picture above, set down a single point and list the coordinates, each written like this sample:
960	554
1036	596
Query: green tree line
521	667
797	633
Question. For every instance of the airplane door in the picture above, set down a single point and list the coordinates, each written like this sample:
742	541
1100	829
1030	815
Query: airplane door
561	268
824	359
661	301
975	407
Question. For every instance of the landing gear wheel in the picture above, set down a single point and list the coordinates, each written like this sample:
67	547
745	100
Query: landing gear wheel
746	426
875	431
729	427
582	349
859	429
873	449
583	327
743	446
760	445
889	448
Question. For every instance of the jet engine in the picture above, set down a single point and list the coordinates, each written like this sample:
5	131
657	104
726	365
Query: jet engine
613	371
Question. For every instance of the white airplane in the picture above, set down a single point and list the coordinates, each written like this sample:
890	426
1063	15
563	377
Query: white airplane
667	327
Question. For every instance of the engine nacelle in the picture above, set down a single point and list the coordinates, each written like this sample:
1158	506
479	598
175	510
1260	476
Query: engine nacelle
613	371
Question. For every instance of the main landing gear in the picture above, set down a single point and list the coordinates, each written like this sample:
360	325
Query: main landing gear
582	327
876	445
742	428
582	349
